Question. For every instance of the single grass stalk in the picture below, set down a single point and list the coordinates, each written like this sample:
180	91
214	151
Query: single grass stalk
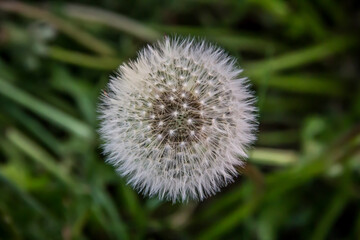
111	19
332	212
26	198
43	109
233	41
300	57
304	84
66	27
270	156
232	219
83	60
40	156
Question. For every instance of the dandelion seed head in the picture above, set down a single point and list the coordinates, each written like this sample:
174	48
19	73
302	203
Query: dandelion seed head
178	120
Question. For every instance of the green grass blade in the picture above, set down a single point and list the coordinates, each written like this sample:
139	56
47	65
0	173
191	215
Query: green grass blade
28	199
111	19
68	28
83	60
223	225
102	199
333	210
43	109
273	156
40	156
304	84
300	57
233	41
36	128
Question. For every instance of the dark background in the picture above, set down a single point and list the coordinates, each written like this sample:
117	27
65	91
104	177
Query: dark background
301	181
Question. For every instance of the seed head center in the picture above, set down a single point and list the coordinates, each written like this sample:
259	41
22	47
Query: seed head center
176	118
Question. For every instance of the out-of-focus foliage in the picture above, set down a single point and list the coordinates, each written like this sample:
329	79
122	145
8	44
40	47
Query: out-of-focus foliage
301	181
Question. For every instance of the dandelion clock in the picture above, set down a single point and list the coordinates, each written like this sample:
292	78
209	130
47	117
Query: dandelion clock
177	121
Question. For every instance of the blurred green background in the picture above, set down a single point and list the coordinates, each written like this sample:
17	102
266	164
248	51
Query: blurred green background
302	180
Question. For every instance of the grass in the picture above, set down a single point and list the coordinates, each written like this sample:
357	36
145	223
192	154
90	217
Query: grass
302	178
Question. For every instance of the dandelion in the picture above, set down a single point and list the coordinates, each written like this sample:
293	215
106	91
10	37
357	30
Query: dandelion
177	121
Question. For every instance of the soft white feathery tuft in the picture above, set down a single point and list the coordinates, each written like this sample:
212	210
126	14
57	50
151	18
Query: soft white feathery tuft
178	120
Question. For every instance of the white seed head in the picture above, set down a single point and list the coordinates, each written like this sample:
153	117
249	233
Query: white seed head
177	121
